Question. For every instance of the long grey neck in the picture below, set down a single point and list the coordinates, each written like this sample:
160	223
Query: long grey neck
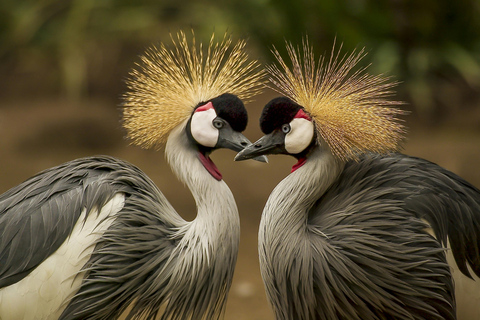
284	248
217	210
290	201
206	252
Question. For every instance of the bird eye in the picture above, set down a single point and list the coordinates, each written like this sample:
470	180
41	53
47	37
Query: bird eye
286	128
218	123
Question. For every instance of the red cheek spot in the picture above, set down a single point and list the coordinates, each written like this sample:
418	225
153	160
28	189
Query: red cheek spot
205	107
301	114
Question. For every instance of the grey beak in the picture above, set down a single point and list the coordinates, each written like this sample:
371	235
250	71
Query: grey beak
236	141
272	143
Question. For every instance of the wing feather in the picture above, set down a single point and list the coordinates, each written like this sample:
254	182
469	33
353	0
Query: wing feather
372	222
38	215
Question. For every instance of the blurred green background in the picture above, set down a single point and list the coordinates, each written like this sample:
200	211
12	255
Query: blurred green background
83	48
63	66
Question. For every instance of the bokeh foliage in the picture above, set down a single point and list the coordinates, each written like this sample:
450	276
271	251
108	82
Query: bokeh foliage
86	47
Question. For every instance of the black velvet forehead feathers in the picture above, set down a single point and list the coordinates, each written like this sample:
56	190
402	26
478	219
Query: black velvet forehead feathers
231	109
278	112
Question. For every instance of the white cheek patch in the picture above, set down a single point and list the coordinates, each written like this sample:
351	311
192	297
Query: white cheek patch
300	135
202	129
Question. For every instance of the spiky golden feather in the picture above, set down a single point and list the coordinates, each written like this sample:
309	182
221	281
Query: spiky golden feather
170	82
350	109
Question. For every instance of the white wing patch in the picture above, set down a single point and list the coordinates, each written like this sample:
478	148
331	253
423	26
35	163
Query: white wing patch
300	135
44	292
202	128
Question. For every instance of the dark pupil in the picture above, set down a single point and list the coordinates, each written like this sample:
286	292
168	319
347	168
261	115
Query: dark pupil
286	128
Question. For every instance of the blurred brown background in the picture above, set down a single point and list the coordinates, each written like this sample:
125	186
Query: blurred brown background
63	65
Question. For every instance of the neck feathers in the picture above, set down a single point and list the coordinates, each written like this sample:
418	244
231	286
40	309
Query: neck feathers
284	246
211	196
296	194
207	246
286	210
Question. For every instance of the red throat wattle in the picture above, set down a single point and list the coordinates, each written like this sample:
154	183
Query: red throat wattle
299	163
210	166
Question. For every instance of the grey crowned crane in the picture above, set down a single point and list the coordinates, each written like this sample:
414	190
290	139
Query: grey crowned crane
358	230
94	238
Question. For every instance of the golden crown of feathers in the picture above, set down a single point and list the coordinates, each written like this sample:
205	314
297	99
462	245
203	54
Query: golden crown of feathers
350	110
171	82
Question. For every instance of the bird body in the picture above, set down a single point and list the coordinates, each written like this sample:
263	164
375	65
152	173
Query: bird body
94	238
362	250
115	242
358	230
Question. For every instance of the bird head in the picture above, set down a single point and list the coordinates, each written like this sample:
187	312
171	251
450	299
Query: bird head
217	124
327	106
288	130
202	86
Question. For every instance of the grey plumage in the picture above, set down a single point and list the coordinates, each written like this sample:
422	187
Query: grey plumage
32	216
360	246
130	261
133	260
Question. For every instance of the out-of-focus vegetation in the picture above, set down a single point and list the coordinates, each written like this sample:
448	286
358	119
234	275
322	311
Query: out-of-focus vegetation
80	48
